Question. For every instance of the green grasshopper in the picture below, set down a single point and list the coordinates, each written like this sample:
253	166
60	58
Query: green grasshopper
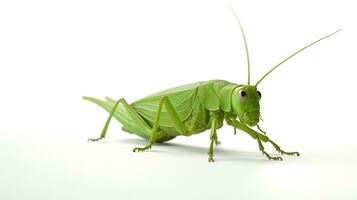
194	108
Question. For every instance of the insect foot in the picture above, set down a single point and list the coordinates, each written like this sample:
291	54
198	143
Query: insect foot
210	156
141	149
289	153
278	149
94	139
210	159
272	157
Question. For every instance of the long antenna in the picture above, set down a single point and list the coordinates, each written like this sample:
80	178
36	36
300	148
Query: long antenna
245	40
260	80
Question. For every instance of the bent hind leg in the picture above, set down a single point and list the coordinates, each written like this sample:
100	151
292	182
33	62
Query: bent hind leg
125	114
177	123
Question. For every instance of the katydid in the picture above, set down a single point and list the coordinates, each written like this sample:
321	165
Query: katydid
194	108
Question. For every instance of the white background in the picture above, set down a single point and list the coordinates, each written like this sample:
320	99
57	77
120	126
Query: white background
53	52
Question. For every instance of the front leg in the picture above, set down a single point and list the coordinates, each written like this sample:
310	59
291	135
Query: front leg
261	148
260	137
277	148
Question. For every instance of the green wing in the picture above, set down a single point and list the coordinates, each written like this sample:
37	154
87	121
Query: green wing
208	96
181	98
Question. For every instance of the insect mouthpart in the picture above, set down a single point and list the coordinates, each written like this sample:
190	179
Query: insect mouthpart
251	118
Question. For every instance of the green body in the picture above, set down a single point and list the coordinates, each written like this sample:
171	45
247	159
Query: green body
194	104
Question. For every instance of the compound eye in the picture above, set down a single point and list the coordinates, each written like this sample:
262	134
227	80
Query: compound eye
259	94
243	95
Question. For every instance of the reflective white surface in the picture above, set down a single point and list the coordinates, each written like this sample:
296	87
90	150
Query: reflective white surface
53	168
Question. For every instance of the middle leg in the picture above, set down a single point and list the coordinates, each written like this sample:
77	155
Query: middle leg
213	138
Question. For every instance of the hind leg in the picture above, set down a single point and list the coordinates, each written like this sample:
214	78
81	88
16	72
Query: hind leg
173	117
104	131
127	116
